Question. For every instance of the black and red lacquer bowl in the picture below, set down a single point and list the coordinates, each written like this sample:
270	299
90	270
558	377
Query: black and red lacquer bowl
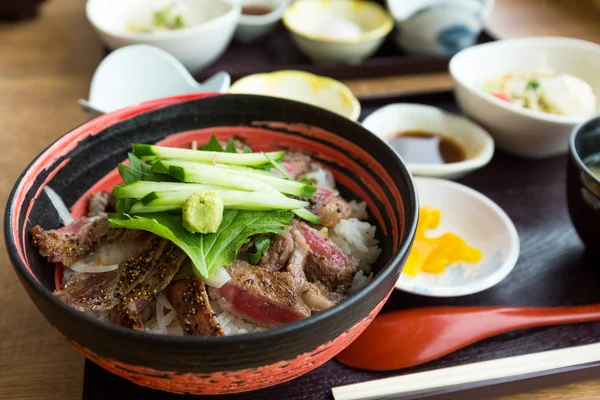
583	187
84	161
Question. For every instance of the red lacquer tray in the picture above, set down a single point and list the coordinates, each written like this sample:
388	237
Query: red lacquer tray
553	270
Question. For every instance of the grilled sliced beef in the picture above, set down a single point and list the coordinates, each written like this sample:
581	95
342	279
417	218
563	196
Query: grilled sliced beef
129	314
296	164
326	263
275	258
196	317
103	291
260	296
319	298
101	203
159	275
314	295
330	206
79	239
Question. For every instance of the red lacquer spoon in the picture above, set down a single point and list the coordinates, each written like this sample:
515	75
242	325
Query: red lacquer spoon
411	337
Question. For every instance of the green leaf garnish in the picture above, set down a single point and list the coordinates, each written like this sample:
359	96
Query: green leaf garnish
278	167
230	147
532	84
261	244
212	250
212	145
137	170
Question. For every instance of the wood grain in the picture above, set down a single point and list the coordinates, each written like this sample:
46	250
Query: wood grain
47	63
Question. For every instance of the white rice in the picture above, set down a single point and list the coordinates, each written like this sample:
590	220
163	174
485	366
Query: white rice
322	177
233	325
357	238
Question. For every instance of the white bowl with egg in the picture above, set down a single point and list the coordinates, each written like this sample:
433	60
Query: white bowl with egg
337	31
518	130
254	27
209	26
482	224
302	86
423	157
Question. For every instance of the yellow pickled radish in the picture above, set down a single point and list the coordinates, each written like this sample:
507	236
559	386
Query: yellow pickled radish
433	255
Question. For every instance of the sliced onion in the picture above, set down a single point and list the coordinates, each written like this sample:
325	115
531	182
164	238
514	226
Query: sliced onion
160	313
113	253
84	268
64	215
194	145
169	318
219	278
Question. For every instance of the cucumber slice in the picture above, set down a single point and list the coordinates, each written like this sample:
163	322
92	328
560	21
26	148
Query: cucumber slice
188	171
192	172
149	152
232	199
307	215
139	189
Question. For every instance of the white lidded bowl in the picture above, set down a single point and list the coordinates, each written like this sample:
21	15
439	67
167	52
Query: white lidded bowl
211	27
306	18
482	224
524	132
477	144
134	74
253	27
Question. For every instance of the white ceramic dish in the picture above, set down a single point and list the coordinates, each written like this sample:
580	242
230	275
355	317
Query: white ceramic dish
482	224
302	86
438	27
253	27
133	74
518	130
477	144
306	19
211	27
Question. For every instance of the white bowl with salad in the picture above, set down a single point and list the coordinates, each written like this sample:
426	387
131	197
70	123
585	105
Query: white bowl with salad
196	32
529	93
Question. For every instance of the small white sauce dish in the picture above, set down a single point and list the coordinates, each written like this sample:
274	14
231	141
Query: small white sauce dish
518	130
253	27
337	31
478	146
138	73
482	224
438	27
210	27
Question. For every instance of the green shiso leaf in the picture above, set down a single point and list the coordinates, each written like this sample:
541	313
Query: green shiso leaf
207	251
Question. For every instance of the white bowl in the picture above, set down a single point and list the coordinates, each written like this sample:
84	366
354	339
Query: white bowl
253	27
138	73
518	130
302	86
211	27
477	144
438	27
305	19
482	224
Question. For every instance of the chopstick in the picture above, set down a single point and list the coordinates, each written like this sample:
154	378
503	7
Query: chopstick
469	373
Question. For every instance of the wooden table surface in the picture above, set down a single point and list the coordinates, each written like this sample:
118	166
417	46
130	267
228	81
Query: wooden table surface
46	65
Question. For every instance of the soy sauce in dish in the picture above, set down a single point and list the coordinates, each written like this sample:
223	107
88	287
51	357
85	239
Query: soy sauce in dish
256	9
420	147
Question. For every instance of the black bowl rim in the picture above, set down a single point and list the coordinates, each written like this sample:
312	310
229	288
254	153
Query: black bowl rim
410	207
574	153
